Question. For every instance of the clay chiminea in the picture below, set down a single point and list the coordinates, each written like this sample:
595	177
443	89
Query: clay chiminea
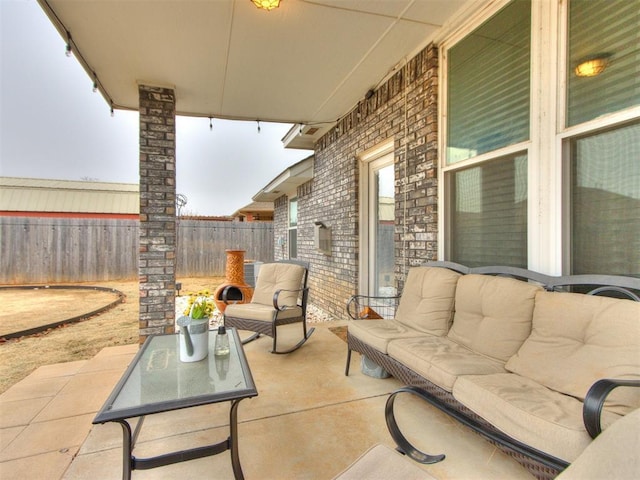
240	292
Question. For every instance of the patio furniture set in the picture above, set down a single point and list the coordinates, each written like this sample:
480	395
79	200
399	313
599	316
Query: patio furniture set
500	349
520	357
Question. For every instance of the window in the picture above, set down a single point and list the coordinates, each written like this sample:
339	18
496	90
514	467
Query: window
488	110
488	88
540	162
605	201
617	45
490	213
605	161
293	228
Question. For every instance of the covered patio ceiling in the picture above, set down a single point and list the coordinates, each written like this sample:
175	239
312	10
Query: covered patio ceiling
307	62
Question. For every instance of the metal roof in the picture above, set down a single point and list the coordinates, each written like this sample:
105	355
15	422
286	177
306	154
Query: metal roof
69	196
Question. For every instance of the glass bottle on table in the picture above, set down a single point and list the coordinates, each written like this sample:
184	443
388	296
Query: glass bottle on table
221	347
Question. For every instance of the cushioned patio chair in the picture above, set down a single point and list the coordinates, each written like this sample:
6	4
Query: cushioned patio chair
280	298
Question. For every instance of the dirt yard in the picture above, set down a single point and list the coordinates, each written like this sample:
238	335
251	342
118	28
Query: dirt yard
118	326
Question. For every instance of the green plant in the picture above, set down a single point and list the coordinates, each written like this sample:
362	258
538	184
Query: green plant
201	305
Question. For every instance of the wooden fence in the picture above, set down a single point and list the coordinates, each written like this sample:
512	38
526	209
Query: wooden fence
58	250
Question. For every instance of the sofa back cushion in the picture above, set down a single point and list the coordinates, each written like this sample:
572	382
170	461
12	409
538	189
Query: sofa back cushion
578	339
492	314
427	300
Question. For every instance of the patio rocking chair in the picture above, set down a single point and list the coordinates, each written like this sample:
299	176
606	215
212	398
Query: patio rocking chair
280	298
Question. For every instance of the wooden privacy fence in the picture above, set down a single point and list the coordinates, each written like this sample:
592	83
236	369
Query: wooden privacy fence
55	250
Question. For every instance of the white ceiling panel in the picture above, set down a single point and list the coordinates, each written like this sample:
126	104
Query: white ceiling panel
308	61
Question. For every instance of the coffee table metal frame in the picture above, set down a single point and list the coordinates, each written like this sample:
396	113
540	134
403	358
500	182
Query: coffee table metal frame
120	407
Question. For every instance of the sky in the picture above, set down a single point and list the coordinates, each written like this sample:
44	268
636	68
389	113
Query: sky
52	125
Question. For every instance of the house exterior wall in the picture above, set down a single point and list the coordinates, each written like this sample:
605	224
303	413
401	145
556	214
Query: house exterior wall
404	109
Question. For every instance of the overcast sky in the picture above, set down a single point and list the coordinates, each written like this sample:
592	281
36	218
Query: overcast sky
53	126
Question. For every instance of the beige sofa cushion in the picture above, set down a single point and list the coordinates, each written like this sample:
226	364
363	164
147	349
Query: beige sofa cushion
383	463
276	276
427	300
492	314
613	454
440	360
378	333
578	339
528	412
257	311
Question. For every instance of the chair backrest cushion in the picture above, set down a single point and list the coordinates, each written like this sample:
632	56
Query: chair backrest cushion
578	339
279	276
493	314
427	299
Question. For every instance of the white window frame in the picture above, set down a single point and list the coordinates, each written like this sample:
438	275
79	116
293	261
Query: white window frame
290	228
547	149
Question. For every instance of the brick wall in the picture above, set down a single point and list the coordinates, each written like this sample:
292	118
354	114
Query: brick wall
404	108
157	211
280	228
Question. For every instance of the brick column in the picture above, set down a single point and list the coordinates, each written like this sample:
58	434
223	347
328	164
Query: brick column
157	260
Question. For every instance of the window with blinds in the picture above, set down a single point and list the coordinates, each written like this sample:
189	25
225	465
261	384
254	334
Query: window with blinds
605	230
489	213
605	161
488	108
293	228
606	31
488	85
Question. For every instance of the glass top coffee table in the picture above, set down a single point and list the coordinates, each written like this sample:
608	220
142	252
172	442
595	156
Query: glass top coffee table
157	381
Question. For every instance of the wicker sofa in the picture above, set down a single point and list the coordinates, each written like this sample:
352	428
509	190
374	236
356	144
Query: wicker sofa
518	356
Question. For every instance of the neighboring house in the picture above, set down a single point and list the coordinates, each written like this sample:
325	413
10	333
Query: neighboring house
498	145
283	192
255	212
33	197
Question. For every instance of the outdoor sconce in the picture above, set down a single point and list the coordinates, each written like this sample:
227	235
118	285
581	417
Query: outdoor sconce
266	4
322	238
593	66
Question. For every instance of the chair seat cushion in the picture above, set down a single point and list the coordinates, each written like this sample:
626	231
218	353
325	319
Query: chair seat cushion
529	412
382	462
257	311
440	360
378	333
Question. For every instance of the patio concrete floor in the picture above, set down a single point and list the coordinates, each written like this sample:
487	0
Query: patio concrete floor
309	421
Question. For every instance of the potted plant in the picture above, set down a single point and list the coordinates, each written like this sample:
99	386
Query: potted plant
200	305
194	327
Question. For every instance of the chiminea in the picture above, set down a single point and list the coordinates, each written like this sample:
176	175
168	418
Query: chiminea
239	291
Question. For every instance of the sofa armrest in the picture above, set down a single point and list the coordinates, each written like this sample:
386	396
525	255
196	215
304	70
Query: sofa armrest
361	307
594	402
403	445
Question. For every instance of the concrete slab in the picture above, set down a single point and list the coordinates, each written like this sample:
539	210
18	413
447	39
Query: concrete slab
309	421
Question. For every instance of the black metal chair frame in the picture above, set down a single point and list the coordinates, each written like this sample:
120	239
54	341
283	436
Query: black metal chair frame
270	328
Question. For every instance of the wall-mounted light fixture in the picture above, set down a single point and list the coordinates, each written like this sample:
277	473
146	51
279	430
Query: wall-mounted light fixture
266	4
592	66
